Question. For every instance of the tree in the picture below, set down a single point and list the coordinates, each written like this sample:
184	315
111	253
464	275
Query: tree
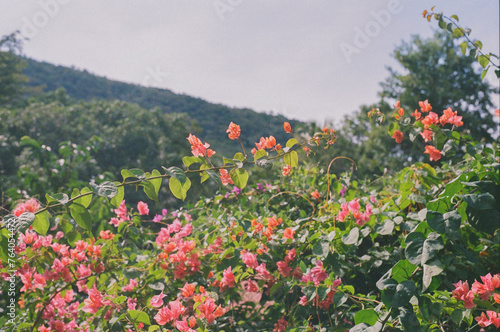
12	79
433	70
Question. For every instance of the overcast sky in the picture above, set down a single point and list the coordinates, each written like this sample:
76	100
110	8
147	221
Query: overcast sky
307	60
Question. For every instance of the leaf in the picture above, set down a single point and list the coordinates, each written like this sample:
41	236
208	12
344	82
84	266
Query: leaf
150	191
291	142
463	47
431	269
188	161
59	197
483	60
409	319
85	200
455	17
215	177
239	156
176	173
292	159
321	249
442	24
117	200
403	270
352	237
458	32
339	298
139	317
259	154
368	316
178	189
403	293
393	127
133	173
449	223
239	177
384	229
119	299
420	249
81	216
41	223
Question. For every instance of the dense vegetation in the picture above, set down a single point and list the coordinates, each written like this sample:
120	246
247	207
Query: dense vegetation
288	239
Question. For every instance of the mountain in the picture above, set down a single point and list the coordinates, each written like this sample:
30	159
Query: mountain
213	119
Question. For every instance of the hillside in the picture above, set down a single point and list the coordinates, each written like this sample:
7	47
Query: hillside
213	119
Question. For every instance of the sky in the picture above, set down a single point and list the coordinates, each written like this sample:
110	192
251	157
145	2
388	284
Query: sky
308	60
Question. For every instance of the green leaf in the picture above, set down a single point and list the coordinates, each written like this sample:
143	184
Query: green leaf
292	159
442	24
463	47
149	190
176	173
239	177
188	161
321	249
403	270
403	293
139	317
85	200
239	156
227	161
119	299
117	200
368	316
339	298
455	17
133	173
153	328
420	249
449	223
431	269
393	127
483	60
384	229
352	237
457	32
41	223
484	72
259	154
81	216
179	189
409	319
291	142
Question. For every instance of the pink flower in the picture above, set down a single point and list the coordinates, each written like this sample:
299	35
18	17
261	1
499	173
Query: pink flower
289	234
462	292
121	212
284	269
493	318
281	325
286	170
157	300
303	300
227	278
291	254
263	273
94	302
486	289
131	303
250	260
131	285
252	286
142	208
30	205
426	135
83	271
353	205
225	177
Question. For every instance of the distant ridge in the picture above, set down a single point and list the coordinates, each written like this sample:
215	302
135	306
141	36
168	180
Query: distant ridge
213	119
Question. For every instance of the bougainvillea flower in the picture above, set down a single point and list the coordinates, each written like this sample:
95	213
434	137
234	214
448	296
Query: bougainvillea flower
234	131
434	153
426	135
188	289
157	300
315	194
462	292
398	136
424	106
227	278
95	301
225	177
485	289
142	208
287	127
289	234
286	170
30	205
250	260
198	149
430	119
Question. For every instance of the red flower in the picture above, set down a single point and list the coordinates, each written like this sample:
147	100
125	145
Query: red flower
434	153
234	131
286	170
288	234
142	208
287	127
398	136
225	177
424	106
315	194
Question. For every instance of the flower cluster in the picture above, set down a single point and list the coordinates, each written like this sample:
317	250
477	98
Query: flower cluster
30	205
484	290
198	149
353	208
431	119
